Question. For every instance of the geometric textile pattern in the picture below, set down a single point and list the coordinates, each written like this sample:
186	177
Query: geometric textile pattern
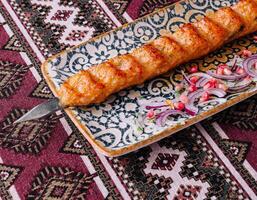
4	193
168	162
183	166
8	174
49	22
75	145
13	44
237	149
187	192
42	91
150	5
120	5
11	77
141	185
187	165
165	161
243	116
26	137
65	16
60	183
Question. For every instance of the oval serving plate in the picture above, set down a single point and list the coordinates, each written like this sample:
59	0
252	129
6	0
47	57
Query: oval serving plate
115	126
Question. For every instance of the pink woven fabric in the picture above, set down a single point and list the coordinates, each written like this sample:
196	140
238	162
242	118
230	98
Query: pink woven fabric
50	159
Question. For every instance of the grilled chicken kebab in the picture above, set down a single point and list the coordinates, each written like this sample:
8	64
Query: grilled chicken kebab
191	41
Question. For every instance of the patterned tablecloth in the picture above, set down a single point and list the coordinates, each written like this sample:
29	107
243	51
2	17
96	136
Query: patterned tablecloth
50	159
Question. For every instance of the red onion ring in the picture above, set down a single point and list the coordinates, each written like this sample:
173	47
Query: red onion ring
240	88
186	78
217	92
202	82
227	77
200	74
162	117
210	101
248	63
149	107
191	108
190	112
202	77
235	66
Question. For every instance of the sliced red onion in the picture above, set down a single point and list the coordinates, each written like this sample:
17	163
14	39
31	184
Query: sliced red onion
227	77
162	117
240	88
186	78
195	94
202	82
220	100
191	108
203	78
217	92
155	106
238	91
164	108
190	112
235	66
199	74
248	63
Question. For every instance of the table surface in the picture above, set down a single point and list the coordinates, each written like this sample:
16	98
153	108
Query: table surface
49	158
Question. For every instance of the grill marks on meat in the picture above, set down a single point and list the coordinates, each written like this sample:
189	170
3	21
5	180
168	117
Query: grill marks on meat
189	42
247	10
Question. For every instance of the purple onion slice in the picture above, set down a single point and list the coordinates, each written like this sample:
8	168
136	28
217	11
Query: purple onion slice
227	77
248	64
162	117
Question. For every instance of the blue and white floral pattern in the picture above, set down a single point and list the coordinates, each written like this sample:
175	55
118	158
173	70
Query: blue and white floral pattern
117	123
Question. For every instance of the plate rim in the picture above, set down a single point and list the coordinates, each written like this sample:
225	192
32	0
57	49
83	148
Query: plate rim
153	138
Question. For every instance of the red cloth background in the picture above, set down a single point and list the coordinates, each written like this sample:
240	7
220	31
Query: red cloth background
49	158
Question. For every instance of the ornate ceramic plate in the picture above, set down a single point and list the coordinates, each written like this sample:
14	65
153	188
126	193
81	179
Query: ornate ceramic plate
116	126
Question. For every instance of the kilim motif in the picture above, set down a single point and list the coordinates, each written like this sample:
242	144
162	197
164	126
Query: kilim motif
74	144
11	76
60	183
237	149
12	72
8	174
50	19
242	116
187	192
50	159
165	161
13	44
42	91
192	159
150	5
26	137
120	5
